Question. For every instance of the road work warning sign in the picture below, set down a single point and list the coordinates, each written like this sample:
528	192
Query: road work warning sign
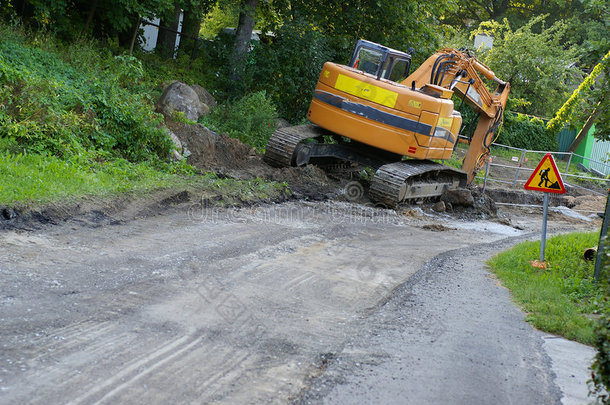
546	177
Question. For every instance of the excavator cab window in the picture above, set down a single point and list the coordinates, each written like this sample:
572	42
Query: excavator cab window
400	70
381	61
368	60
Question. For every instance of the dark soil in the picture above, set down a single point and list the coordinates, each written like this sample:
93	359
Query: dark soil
101	211
231	158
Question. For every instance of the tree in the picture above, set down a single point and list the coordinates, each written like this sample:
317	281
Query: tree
243	34
540	68
590	30
516	12
74	18
589	103
398	24
194	10
168	31
311	32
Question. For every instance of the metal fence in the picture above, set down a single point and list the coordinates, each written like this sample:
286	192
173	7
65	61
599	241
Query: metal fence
522	162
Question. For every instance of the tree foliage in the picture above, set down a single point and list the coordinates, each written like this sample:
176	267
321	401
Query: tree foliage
590	31
517	12
396	24
539	67
102	18
590	98
288	68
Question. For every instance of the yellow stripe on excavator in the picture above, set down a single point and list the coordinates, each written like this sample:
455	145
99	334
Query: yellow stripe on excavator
367	91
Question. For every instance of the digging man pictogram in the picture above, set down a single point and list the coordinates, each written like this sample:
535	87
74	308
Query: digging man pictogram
544	177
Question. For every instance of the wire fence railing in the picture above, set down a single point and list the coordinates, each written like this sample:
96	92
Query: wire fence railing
513	166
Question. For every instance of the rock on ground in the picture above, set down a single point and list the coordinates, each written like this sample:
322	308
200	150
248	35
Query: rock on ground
181	97
461	197
204	96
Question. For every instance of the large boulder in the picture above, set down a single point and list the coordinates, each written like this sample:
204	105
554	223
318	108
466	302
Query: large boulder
204	96
181	97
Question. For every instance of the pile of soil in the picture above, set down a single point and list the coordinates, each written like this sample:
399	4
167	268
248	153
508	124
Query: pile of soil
229	157
588	203
576	201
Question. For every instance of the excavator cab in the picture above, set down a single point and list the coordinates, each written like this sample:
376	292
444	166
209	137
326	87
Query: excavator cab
381	61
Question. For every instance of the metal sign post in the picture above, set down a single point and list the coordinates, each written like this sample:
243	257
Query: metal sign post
545	212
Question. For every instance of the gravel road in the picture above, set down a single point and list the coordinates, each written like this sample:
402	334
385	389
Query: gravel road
261	305
448	336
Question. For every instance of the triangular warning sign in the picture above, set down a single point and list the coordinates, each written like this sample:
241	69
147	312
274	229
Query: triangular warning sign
546	177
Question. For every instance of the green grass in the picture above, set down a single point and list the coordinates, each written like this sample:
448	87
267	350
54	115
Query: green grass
37	179
556	299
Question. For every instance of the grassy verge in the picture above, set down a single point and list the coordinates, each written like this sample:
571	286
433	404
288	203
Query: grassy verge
38	179
557	299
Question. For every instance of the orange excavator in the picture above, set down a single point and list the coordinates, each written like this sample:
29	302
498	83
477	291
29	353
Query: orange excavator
376	113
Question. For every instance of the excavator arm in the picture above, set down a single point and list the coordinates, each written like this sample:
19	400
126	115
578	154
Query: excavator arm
462	73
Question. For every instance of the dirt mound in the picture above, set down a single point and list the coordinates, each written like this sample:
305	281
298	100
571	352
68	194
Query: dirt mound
592	203
212	151
231	158
517	196
589	202
482	206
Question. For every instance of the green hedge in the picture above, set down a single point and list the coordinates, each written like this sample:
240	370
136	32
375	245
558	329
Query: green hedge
523	131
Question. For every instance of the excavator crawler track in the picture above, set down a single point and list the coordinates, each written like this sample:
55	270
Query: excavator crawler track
411	180
280	151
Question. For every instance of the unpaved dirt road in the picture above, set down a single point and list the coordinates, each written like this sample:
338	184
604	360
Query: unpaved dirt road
448	336
253	305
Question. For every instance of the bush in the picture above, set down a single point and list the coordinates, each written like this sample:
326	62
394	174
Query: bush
252	119
50	106
601	365
600	381
288	68
522	131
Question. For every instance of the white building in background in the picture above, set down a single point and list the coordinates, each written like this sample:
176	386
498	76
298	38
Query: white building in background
482	42
148	41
